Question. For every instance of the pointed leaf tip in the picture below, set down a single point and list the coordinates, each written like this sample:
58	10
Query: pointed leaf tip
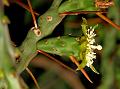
93	69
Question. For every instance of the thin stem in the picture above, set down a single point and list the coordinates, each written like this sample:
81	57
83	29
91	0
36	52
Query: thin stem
99	13
69	76
49	56
81	12
108	20
73	59
25	7
31	10
32	76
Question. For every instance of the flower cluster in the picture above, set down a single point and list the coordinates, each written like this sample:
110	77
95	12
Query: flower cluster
90	54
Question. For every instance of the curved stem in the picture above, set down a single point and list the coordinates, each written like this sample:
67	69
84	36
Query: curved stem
35	81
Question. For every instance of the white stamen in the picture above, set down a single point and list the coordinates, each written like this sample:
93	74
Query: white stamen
90	54
99	47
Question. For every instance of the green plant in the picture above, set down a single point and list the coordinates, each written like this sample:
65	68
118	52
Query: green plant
76	48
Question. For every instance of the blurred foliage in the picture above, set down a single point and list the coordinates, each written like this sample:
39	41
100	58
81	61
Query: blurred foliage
49	74
8	75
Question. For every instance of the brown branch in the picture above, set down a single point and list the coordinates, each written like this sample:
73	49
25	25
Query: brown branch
73	59
108	20
55	60
33	16
32	76
25	6
99	13
81	12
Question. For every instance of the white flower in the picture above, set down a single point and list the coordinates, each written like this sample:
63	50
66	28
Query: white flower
90	54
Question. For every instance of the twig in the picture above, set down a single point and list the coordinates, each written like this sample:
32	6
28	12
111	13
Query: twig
70	77
81	12
108	20
25	7
32	76
54	59
73	59
33	16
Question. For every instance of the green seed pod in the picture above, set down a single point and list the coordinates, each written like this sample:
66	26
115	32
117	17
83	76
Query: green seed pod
66	46
63	46
77	5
